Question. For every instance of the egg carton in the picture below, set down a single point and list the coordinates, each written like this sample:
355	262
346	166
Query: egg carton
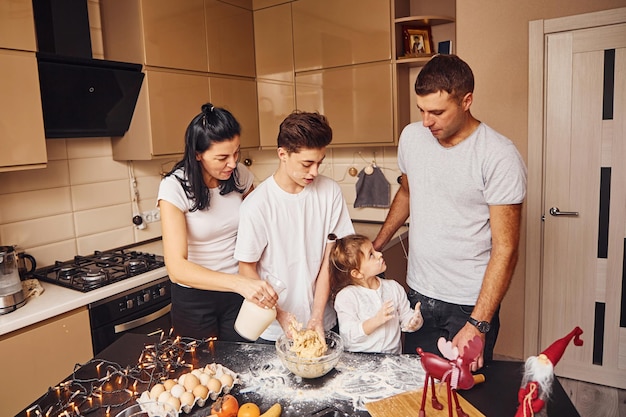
192	388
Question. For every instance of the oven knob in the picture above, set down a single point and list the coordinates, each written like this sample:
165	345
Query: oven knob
129	303
162	291
146	297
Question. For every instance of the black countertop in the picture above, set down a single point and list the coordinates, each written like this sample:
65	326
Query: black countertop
358	378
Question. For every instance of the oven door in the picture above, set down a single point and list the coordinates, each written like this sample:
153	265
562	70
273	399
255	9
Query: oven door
143	310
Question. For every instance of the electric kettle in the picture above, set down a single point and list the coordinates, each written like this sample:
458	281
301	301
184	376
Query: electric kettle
11	295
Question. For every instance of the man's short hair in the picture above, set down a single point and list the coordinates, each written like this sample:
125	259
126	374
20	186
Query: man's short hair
447	73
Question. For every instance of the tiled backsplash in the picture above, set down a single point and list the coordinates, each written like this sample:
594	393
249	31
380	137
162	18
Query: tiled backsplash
83	202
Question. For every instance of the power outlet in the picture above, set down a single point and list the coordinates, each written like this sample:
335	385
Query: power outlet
151	216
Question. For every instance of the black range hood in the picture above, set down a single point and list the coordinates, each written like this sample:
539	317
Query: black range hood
81	96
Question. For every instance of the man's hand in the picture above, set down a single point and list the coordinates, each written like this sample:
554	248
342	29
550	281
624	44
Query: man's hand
467	333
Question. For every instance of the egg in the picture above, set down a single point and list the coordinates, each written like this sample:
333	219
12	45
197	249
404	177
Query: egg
168	384
200	391
181	379
204	379
174	402
190	382
214	385
197	372
227	380
156	391
177	390
187	398
164	396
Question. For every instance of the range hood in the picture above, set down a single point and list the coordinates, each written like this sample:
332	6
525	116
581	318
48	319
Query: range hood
81	96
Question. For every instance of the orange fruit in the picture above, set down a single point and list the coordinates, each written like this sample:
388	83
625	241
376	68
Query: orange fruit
249	410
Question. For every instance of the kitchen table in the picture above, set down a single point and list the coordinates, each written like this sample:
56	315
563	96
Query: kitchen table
342	392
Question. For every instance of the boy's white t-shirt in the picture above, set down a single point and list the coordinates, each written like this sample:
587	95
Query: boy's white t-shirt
211	233
287	235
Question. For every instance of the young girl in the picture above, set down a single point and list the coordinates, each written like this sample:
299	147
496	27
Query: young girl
371	311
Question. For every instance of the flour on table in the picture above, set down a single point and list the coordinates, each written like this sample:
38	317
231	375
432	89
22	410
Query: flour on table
355	379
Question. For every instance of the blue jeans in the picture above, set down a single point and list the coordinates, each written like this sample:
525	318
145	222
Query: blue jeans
443	319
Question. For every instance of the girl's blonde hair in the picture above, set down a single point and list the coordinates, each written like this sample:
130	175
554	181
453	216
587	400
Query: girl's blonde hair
345	257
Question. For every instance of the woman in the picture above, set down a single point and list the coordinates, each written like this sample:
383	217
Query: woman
199	201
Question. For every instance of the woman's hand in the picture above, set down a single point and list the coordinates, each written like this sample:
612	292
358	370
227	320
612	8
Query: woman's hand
258	291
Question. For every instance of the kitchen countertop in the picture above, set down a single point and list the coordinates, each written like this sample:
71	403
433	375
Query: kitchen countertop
357	379
56	300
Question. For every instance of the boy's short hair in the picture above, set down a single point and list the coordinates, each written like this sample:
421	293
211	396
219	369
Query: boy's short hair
447	73
304	130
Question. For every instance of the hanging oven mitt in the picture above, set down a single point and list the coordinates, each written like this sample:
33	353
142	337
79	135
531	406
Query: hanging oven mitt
372	190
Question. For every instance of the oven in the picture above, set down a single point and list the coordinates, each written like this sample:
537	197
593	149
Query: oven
143	309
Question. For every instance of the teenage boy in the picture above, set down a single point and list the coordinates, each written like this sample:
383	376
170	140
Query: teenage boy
285	223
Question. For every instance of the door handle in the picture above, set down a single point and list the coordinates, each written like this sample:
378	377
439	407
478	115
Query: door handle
554	211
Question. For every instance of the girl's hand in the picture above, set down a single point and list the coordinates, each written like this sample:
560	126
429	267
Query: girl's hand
416	321
318	326
386	313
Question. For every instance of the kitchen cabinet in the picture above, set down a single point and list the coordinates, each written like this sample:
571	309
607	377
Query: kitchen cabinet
17	25
330	33
275	70
22	137
357	100
439	17
41	355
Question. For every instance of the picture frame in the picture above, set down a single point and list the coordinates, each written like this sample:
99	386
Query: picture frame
417	41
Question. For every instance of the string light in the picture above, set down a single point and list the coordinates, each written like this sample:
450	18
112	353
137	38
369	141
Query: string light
80	396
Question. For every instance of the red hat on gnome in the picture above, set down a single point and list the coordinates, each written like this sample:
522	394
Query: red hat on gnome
556	349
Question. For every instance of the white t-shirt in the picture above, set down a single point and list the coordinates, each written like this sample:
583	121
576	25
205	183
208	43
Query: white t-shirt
355	304
451	190
211	233
287	234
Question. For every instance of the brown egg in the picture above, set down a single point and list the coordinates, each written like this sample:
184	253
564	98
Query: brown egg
174	402
200	391
187	398
227	380
190	382
168	384
156	391
214	385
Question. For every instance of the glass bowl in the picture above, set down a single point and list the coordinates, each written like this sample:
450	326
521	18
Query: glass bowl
314	367
149	409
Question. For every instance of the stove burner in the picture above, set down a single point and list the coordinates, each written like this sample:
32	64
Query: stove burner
94	274
86	273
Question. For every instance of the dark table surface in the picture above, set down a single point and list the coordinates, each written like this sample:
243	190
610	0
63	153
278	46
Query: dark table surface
358	378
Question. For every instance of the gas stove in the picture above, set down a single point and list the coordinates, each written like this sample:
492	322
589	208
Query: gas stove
87	273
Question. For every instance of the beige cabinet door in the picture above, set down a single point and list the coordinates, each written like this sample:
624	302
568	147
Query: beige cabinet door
17	25
230	39
273	42
167	102
356	99
276	101
22	137
238	95
331	33
583	274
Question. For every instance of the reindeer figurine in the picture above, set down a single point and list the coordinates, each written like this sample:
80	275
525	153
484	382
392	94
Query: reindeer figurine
453	370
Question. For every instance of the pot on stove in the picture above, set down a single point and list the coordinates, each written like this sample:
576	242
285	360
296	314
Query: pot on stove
11	295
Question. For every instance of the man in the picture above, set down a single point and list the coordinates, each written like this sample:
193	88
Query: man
462	185
285	223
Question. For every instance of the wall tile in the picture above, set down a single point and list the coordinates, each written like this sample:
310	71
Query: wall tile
55	175
89	222
151	231
31	233
89	148
30	205
46	255
92	170
104	241
89	196
57	149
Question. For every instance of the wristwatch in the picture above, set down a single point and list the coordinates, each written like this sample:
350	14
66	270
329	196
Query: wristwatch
482	326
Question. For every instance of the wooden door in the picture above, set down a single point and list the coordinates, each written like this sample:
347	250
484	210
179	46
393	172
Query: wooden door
584	201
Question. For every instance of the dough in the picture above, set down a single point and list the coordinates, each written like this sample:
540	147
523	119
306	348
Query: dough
306	343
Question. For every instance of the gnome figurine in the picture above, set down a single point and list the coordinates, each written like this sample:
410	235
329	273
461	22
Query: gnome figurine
538	376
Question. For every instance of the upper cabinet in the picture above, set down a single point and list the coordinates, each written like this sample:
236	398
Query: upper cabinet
416	21
193	52
331	33
22	137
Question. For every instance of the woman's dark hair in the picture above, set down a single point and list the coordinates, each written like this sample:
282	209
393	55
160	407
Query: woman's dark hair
212	125
345	256
447	73
304	130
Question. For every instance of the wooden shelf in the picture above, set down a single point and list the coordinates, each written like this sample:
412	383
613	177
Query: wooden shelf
425	20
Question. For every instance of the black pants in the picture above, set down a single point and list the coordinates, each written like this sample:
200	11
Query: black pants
201	314
443	319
